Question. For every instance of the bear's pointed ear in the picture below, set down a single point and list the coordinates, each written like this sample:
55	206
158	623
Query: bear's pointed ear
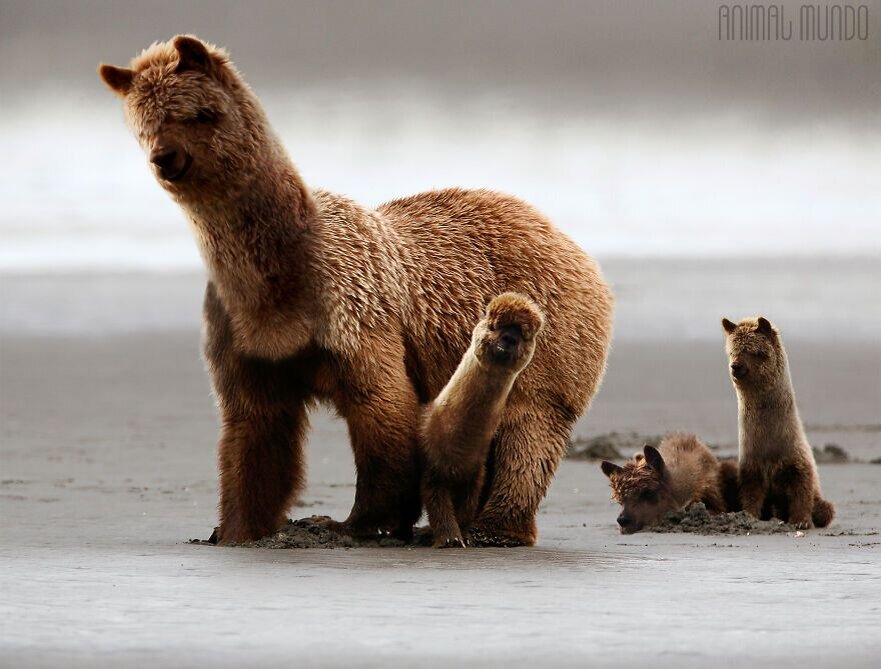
192	54
764	326
118	79
728	326
653	458
610	468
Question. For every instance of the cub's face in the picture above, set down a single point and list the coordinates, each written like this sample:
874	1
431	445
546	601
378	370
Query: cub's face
641	488
505	347
505	337
755	356
180	105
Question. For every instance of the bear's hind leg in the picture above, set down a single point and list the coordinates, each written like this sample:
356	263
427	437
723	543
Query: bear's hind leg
713	500
529	446
796	485
823	511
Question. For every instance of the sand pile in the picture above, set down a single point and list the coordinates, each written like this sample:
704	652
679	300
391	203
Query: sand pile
697	520
318	532
622	445
609	446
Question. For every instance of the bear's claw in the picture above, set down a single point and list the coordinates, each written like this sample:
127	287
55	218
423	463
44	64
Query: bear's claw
449	542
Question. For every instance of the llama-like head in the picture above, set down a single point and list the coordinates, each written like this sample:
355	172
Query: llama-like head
755	352
506	336
195	118
642	489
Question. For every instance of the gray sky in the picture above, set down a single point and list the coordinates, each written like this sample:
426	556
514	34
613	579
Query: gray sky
615	55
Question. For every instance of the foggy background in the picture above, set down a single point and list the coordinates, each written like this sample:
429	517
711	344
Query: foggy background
629	123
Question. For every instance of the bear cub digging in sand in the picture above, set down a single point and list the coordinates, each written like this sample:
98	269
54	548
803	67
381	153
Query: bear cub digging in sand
681	470
778	475
459	424
312	297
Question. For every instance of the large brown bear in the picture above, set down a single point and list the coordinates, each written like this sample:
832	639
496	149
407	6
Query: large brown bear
313	297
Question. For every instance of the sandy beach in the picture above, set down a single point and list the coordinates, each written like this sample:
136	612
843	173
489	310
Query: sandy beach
108	470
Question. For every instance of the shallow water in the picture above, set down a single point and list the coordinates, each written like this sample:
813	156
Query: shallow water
78	195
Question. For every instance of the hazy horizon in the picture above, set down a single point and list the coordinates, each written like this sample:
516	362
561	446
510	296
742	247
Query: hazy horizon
629	124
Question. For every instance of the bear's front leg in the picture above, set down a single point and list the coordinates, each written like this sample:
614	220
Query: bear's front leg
528	448
261	472
382	410
263	418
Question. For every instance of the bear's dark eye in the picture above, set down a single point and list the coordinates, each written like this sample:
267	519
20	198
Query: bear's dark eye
760	355
649	496
205	116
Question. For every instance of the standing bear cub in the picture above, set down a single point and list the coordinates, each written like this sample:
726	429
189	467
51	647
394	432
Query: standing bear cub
459	424
313	297
778	475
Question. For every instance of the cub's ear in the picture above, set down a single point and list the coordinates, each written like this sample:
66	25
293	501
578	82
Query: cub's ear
192	54
728	326
610	468
765	327
653	458
118	79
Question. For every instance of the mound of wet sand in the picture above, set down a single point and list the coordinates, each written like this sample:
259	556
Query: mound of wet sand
619	446
697	520
831	454
318	532
609	446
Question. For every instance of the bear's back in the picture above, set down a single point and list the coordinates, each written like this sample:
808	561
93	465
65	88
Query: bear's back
463	248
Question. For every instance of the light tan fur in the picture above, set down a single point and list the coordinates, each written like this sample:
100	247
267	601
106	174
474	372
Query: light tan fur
459	425
680	471
314	297
778	475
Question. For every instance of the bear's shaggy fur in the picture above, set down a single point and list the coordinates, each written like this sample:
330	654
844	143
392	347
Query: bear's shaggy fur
778	475
313	297
680	471
459	424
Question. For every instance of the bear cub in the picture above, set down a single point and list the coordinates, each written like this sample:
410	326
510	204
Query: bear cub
778	474
680	471
458	426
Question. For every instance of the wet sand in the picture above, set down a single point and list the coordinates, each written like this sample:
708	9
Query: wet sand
108	470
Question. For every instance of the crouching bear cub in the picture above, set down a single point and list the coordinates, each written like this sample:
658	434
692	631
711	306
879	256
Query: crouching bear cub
680	471
459	424
313	297
778	474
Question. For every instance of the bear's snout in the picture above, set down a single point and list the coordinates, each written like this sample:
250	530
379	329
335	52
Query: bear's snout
172	163
738	370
